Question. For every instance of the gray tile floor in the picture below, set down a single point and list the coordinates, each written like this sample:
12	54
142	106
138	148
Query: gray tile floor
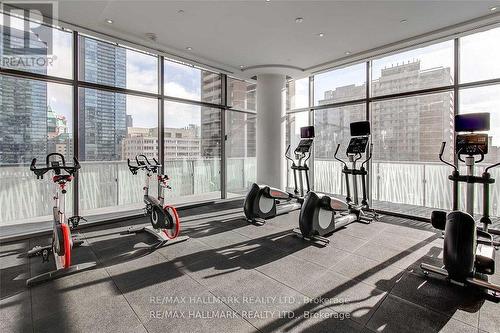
235	277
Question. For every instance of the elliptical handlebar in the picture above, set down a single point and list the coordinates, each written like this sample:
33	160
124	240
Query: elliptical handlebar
441	152
369	156
459	154
492	166
287	156
56	167
308	157
338	159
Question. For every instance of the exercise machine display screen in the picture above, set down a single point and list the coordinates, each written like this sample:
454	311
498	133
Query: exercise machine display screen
307	132
360	128
472	122
357	145
472	144
304	146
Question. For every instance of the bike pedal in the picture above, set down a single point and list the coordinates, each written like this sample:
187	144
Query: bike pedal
46	255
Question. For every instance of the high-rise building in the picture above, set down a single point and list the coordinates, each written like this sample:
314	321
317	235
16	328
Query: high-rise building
211	130
406	129
180	143
23	113
103	115
242	127
59	139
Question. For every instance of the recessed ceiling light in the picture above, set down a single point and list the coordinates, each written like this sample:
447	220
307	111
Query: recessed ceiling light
299	20
321	34
109	21
268	0
151	35
189	48
347	52
493	9
241	66
403	21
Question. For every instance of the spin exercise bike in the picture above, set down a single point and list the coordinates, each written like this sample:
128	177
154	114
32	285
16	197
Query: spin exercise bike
62	240
264	202
469	250
322	214
165	222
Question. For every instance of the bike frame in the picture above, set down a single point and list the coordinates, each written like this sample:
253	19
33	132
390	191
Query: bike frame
148	199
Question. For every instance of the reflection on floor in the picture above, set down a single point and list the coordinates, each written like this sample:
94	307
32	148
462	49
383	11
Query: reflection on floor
235	277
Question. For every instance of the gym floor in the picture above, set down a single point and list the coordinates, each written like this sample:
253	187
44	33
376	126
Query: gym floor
258	279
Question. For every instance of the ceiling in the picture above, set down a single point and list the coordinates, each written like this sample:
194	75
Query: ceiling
230	34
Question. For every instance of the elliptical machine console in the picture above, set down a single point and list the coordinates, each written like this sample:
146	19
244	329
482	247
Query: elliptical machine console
322	214
469	251
264	202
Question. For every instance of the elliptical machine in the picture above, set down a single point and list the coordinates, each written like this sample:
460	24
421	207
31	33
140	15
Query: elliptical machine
322	214
264	202
62	241
165	223
469	251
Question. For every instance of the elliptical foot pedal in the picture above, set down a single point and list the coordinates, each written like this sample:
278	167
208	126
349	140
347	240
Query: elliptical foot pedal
257	221
315	239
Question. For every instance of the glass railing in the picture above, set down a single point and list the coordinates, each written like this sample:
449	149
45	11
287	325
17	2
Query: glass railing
241	173
409	183
110	187
106	187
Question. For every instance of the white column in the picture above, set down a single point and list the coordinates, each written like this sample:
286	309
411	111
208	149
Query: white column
271	122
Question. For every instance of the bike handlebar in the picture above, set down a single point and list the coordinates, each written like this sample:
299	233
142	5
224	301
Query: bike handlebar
142	164
55	166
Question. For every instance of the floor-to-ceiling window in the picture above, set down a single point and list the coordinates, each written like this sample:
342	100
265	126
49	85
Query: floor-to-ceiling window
105	103
36	117
332	128
114	127
485	99
345	85
240	140
412	98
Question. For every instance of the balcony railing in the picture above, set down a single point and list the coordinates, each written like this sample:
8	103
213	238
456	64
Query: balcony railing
110	186
411	183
